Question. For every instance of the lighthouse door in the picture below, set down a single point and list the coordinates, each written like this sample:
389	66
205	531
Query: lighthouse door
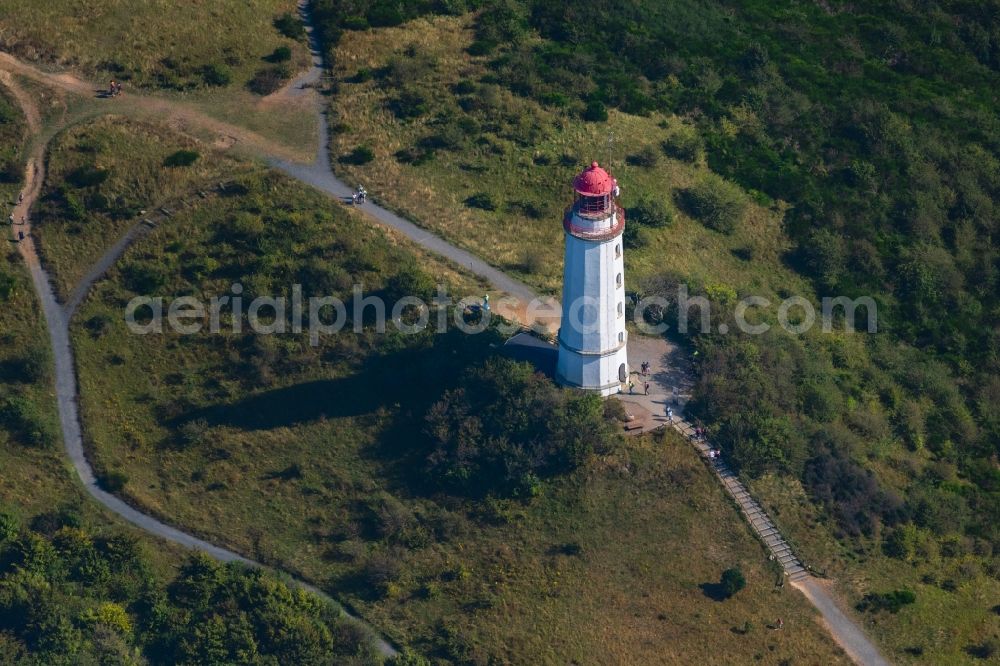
622	373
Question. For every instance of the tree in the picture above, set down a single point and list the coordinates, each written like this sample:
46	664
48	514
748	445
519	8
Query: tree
505	427
732	581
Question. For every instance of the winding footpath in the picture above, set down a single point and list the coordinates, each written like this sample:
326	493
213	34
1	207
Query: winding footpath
318	174
57	319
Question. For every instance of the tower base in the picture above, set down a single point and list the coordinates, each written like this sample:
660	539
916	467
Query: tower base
601	373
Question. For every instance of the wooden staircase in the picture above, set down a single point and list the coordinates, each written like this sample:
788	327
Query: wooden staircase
761	523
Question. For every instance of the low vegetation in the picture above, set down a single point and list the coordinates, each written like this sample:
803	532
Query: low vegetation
191	46
103	177
12	133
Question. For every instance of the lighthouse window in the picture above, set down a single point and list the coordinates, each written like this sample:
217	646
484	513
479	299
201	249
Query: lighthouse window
618	280
621	309
621	337
618	250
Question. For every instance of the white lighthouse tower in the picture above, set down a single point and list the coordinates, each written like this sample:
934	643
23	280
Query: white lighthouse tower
592	335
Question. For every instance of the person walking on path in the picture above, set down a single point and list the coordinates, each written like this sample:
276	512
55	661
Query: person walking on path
647	388
20	198
631	388
670	414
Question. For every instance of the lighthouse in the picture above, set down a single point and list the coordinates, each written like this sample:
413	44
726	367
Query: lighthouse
592	336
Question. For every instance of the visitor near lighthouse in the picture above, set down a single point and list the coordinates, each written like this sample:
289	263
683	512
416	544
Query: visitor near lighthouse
592	335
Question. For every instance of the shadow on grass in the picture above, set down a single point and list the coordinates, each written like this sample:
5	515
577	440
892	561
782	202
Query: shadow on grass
714	591
401	384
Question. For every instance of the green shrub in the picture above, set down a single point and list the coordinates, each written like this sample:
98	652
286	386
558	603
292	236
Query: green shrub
290	26
633	236
646	158
113	482
216	75
717	203
21	417
481	200
358	156
7	284
732	581
9	526
595	111
280	54
685	144
464	87
355	23
143	278
409	103
651	213
87	176
888	601
181	158
268	80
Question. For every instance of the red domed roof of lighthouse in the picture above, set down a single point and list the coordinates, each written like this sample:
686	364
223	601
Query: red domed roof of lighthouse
594	181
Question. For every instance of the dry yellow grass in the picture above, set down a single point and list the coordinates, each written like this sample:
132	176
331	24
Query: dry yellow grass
141	36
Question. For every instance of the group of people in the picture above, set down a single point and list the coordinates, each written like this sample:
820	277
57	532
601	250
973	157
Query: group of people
360	195
115	88
12	222
631	387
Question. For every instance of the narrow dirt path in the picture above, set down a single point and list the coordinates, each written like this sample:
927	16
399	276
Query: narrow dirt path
31	114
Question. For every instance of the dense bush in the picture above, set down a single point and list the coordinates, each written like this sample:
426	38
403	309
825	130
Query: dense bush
685	143
21	417
849	492
358	156
595	111
716	202
87	176
504	428
268	80
216	75
888	601
290	26
650	213
113	482
73	596
280	54
732	581
646	158
481	200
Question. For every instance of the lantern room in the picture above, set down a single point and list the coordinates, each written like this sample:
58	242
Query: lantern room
595	191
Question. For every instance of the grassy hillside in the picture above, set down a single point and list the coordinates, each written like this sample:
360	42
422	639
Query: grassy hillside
12	132
104	176
860	160
317	459
180	46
